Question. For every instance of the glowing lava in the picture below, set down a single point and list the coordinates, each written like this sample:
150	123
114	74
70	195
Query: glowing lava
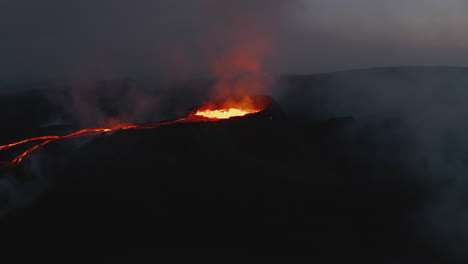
227	109
210	112
83	132
224	114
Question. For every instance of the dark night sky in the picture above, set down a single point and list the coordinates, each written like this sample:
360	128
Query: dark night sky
106	38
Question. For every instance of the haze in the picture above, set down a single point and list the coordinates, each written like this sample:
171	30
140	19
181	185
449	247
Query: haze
116	38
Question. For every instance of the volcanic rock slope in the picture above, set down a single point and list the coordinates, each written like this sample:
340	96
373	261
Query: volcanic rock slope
330	190
265	185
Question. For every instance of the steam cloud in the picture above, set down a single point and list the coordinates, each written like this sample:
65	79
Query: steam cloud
236	45
429	108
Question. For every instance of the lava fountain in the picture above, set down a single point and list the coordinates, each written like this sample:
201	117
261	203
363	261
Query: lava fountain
228	108
208	112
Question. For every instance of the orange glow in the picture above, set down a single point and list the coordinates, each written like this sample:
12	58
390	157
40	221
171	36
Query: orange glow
227	109
224	113
239	50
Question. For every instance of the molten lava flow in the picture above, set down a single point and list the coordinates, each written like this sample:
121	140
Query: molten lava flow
224	113
227	109
83	132
210	112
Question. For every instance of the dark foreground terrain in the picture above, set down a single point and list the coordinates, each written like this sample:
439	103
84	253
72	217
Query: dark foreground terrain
268	184
264	186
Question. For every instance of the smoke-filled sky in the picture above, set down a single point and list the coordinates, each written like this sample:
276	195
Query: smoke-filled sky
110	38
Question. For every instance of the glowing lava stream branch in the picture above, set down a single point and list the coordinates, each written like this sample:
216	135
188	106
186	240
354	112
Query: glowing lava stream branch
205	113
83	132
